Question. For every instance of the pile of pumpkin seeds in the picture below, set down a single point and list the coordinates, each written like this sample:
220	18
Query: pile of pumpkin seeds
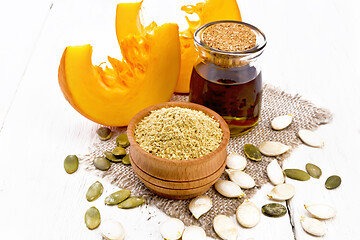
117	155
120	198
247	213
110	229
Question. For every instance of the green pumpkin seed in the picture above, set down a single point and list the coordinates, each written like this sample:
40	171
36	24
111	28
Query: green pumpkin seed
111	157
252	152
71	164
117	197
94	191
131	202
333	182
104	133
119	152
126	160
313	170
102	163
92	218
297	174
274	210
122	140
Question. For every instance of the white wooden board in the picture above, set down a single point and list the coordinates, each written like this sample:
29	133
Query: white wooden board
312	50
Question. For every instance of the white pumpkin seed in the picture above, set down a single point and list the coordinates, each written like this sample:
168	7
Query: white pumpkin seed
172	229
112	230
194	233
281	122
236	161
241	178
200	205
313	226
310	138
272	149
225	228
228	189
321	211
275	173
282	192
248	214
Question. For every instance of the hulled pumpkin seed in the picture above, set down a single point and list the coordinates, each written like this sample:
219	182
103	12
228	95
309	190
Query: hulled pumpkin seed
94	191
321	211
111	157
313	226
172	229
275	173
241	178
252	152
200	205
313	170
274	210
225	228
228	189
117	197
126	160
236	161
248	214
122	140
92	218
194	232
119	152
131	202
112	230
102	163
297	174
310	138
272	149
282	192
71	164
104	133
281	122
333	182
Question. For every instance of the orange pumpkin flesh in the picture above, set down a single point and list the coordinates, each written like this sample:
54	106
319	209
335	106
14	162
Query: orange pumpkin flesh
208	11
112	96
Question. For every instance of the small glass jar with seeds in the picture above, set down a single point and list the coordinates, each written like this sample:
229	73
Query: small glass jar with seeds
227	77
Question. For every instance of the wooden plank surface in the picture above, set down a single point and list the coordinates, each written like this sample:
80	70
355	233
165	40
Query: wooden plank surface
20	29
312	50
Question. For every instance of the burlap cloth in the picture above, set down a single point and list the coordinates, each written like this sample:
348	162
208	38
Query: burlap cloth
275	103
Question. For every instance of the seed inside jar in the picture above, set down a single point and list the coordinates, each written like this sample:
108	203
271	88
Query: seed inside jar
229	36
178	133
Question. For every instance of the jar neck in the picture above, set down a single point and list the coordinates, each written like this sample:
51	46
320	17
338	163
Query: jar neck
226	60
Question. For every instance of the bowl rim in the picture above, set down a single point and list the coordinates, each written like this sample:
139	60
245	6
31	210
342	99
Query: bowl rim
143	113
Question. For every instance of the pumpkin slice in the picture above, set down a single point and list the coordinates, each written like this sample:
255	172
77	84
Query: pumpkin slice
147	75
127	19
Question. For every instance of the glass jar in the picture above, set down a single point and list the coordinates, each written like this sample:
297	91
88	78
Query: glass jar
229	82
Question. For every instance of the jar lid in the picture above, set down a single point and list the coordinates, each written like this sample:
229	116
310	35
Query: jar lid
230	37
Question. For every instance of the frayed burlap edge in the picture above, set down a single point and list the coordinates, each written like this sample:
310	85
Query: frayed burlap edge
275	102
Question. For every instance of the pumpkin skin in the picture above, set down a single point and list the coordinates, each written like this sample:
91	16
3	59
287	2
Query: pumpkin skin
147	75
208	11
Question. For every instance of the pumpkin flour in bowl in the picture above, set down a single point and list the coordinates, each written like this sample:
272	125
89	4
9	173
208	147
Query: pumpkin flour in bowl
178	133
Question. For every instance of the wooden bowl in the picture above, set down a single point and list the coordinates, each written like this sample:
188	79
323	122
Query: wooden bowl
178	179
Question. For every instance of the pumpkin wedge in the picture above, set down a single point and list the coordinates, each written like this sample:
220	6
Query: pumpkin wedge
208	11
147	75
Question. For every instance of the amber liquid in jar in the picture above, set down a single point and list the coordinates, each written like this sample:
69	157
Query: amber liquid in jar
234	93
